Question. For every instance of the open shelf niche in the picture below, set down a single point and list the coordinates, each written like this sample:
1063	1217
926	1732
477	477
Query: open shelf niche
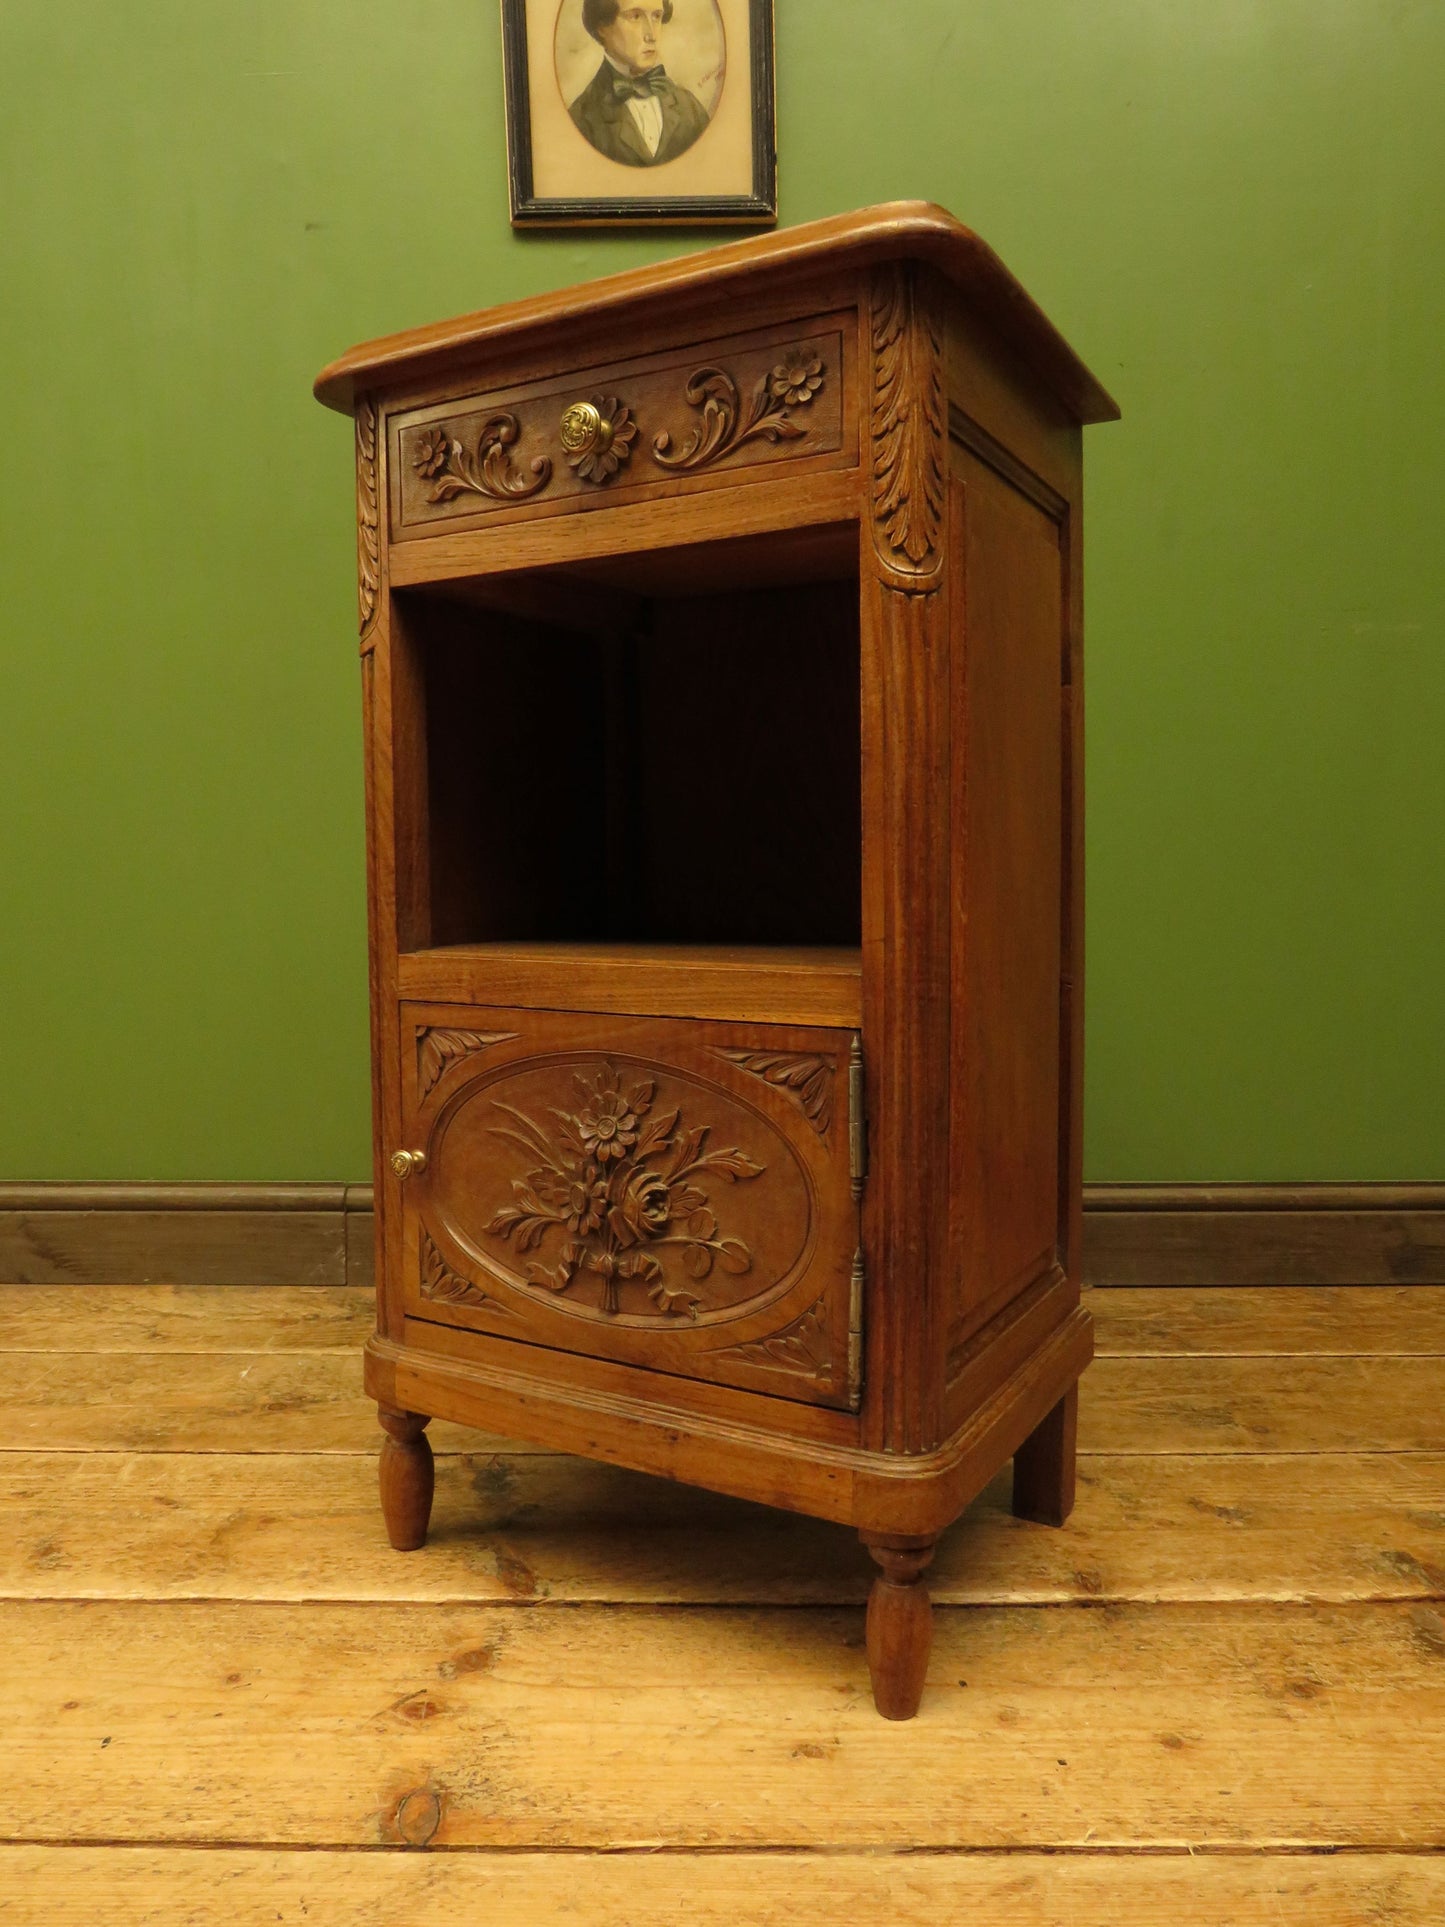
640	754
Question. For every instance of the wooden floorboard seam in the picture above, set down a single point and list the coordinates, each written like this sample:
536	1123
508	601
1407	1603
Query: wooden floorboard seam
350	1351
542	1603
29	1448
1205	1850
486	1602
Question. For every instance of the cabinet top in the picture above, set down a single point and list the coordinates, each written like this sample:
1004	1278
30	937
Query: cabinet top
899	230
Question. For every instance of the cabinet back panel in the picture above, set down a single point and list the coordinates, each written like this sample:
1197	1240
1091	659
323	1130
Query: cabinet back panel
745	812
516	760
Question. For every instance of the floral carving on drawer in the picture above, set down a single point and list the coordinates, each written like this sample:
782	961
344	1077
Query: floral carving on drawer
622	1190
449	469
725	406
791	383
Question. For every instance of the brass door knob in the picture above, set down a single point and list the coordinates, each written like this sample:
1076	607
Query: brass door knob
408	1163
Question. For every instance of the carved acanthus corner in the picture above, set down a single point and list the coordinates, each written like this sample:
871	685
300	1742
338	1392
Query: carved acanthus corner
807	1079
453	469
802	1347
445	1286
368	514
910	424
438	1050
791	383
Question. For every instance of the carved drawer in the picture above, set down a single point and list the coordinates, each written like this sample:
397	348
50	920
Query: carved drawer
722	410
668	1194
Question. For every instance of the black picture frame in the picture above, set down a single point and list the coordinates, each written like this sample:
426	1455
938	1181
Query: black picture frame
757	208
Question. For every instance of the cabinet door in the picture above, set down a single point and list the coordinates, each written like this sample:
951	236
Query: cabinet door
672	1194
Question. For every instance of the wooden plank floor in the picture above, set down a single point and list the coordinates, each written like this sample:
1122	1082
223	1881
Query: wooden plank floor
1216	1698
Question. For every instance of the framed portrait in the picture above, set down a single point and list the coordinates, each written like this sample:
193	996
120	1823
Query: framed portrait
640	111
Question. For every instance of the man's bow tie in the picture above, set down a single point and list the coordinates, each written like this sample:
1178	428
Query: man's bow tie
638	86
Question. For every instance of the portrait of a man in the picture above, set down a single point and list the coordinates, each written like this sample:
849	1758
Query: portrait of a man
632	110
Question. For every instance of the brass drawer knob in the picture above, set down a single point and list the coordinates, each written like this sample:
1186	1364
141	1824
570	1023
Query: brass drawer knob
408	1164
585	429
597	437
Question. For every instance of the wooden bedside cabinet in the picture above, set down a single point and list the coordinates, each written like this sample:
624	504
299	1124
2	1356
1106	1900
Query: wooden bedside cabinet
721	658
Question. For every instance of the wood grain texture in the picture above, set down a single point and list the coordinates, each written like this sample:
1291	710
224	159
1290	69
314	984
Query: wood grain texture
313	1402
812	500
1287	1321
1252	1404
204	1402
1312	1245
508	1525
1218	1726
184	1318
906	756
169	1245
239	1887
819	986
1012	1198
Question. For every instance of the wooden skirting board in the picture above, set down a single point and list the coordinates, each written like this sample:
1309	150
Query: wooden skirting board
1264	1234
185	1234
321	1234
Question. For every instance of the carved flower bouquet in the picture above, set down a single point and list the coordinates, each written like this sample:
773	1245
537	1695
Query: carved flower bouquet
622	1182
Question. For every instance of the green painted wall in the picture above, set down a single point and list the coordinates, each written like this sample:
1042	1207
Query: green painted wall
1233	210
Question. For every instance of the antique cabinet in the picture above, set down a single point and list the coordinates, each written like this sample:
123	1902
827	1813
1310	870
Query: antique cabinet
720	635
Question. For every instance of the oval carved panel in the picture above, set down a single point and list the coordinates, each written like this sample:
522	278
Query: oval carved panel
621	1190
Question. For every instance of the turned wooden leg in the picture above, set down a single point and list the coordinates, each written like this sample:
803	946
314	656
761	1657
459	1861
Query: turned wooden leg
407	1477
1044	1465
900	1623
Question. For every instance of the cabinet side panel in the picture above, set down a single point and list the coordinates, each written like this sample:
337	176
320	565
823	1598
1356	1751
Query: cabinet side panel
1006	882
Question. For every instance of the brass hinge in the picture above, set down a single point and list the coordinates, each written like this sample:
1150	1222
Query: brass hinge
855	1332
857	1120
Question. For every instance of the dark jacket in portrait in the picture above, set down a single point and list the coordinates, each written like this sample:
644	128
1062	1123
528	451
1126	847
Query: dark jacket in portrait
602	115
